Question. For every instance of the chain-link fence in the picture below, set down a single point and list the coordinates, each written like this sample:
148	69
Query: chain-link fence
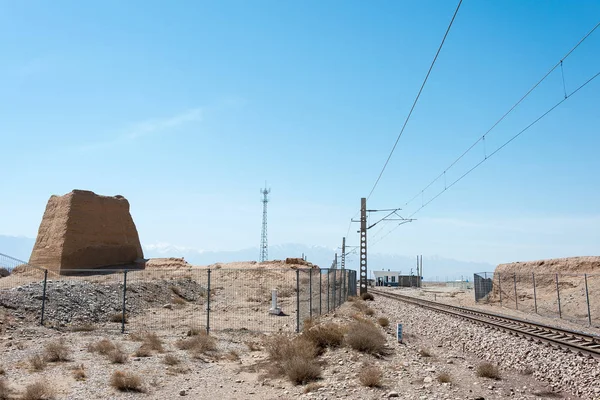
575	297
256	299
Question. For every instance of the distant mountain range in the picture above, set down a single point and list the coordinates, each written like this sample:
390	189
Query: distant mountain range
434	267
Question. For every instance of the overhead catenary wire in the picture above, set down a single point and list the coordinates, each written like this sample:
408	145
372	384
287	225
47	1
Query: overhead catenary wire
568	96
416	100
510	110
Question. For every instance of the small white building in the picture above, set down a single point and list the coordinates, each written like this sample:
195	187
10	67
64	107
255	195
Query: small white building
395	278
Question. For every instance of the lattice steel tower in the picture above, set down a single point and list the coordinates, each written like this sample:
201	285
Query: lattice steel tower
264	244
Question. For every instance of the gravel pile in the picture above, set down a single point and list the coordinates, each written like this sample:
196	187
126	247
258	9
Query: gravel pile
78	302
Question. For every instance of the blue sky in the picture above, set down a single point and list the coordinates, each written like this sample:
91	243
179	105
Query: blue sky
186	108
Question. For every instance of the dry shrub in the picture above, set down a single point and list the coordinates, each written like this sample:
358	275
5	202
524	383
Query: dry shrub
126	381
369	311
40	390
86	327
253	346
444	377
194	331
488	370
56	351
4	389
143	351
201	343
365	337
178	301
37	362
79	373
153	342
170	359
370	376
367	296
325	335
301	370
117	356
312	387
102	347
176	291
383	321
353	298
232	355
117	317
424	352
294	358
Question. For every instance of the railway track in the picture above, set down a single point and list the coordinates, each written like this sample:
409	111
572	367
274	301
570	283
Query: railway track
575	341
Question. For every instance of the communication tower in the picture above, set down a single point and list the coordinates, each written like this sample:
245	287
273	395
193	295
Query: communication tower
264	244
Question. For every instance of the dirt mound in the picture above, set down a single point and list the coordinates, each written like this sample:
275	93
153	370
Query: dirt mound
570	265
167	263
84	230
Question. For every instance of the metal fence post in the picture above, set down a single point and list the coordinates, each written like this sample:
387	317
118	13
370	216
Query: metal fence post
320	291
534	292
587	296
124	299
516	298
328	273
310	291
500	288
44	296
334	286
208	303
558	297
297	300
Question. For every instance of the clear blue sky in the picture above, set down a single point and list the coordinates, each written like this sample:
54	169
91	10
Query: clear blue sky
187	107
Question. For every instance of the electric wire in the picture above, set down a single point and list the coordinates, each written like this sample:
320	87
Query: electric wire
416	100
482	138
493	153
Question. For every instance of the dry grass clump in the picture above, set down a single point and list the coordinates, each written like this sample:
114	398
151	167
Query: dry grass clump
117	317
488	370
365	337
178	301
367	296
143	351
232	355
383	321
126	382
4	389
40	390
424	352
87	327
79	373
102	347
352	298
152	342
325	335
369	311
312	387
170	359
56	351
37	362
294	358
444	377
201	343
301	370
195	331
117	356
361	306
370	376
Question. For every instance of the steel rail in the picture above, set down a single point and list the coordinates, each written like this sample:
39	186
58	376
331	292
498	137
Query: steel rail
576	341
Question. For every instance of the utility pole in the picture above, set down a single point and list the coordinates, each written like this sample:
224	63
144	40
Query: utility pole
264	244
343	253
363	245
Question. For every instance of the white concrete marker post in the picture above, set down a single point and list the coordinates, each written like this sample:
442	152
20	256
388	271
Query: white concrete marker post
274	309
399	332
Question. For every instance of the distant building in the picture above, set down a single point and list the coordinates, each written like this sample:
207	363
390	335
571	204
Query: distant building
395	278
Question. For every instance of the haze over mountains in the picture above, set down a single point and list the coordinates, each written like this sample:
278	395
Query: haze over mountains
434	267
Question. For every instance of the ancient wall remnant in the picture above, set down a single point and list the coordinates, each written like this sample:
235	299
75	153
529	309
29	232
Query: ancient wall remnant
84	230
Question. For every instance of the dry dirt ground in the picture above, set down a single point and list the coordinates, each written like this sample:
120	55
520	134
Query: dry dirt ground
410	369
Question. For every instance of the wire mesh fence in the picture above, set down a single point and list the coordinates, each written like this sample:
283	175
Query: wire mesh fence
574	297
257	299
